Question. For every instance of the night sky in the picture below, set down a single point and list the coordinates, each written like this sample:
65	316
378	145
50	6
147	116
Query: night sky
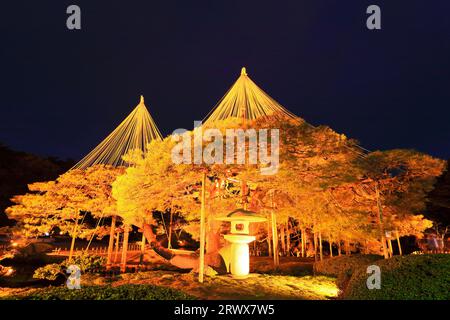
63	91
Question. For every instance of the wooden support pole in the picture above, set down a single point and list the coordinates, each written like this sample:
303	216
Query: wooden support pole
123	262
303	242
339	248
269	237
331	248
116	253
276	258
391	250
74	236
398	243
143	243
201	267
273	218
169	245
111	242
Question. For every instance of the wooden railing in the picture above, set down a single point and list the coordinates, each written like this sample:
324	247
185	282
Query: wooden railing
97	250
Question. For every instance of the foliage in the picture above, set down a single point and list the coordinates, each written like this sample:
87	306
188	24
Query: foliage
324	183
414	277
86	262
59	203
153	183
124	292
48	272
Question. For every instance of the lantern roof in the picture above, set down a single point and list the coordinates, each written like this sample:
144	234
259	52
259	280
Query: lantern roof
242	215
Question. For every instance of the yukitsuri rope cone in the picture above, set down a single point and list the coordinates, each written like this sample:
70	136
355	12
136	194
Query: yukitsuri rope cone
135	132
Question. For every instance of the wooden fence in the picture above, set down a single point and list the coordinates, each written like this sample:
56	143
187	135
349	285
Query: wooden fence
97	250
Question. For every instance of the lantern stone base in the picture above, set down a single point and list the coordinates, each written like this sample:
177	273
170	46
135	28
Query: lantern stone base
240	256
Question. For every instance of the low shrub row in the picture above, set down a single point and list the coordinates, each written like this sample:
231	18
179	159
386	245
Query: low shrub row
413	277
124	292
344	266
336	265
86	262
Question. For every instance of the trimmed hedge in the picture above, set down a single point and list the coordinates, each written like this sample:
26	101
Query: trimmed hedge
414	277
124	292
343	267
336	265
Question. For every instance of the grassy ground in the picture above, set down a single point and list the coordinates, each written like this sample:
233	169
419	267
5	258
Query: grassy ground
256	286
293	280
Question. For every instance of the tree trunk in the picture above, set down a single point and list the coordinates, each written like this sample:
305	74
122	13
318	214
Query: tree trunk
148	232
123	262
282	238
141	255
169	244
347	247
339	248
398	243
74	236
303	242
116	253
212	239
111	242
315	246
288	239
320	246
380	223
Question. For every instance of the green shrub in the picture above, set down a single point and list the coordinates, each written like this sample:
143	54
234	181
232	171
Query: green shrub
48	272
125	292
86	262
343	267
336	265
414	277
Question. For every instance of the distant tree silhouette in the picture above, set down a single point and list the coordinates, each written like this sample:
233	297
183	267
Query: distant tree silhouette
438	206
17	169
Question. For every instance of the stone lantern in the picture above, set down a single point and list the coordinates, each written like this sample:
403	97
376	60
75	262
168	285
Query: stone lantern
239	238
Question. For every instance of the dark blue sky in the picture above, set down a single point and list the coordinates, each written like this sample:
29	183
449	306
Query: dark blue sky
63	91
